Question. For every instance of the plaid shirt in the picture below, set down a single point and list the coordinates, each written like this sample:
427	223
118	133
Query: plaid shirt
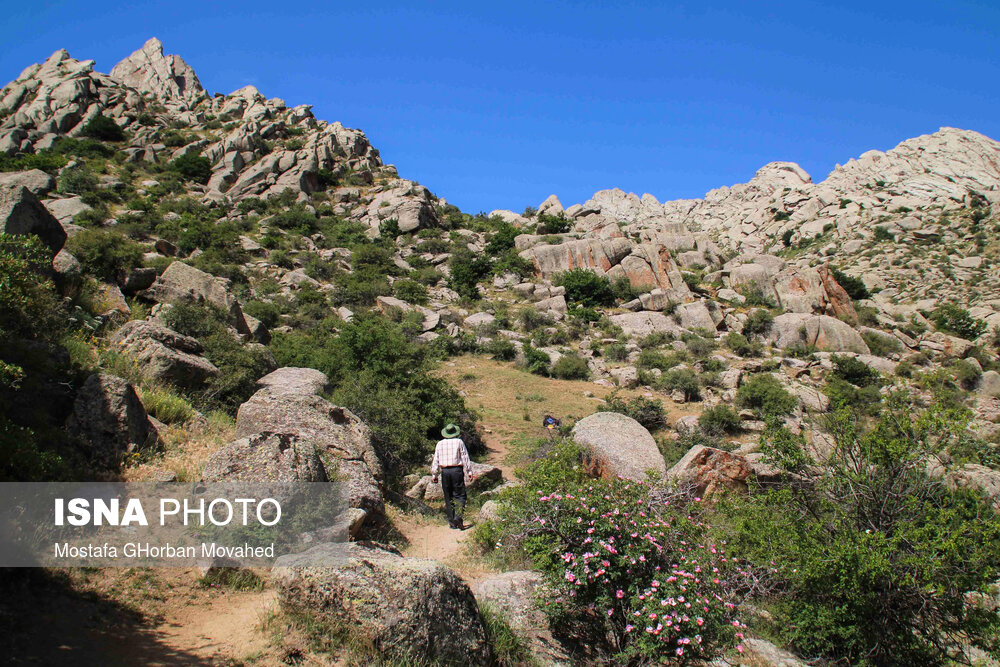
451	452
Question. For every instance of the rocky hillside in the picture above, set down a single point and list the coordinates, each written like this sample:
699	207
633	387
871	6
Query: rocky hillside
223	287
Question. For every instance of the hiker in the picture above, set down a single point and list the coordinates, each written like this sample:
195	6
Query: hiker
451	458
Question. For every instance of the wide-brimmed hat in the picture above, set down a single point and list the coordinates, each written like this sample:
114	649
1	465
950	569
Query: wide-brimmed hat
450	431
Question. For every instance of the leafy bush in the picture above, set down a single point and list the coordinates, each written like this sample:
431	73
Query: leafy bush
410	291
881	345
267	312
106	255
103	128
553	224
883	234
78	180
863	582
571	367
764	394
192	166
536	361
855	371
467	270
957	320
634	572
720	420
646	411
615	352
586	288
739	344
683	380
755	295
855	287
758	323
501	350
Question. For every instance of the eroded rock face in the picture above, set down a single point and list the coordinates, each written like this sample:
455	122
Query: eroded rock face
22	213
288	405
183	283
165	77
406	608
165	355
820	331
266	457
708	470
109	419
616	445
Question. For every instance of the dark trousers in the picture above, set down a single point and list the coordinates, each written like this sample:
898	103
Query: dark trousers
453	485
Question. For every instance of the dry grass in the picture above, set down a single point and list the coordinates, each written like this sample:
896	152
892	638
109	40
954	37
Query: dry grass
187	447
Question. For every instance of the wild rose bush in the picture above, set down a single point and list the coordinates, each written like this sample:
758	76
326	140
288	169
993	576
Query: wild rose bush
641	566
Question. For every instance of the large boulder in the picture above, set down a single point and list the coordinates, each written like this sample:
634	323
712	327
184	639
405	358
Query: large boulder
287	404
615	445
808	290
695	315
644	323
164	355
266	457
22	213
708	470
109	419
597	254
183	283
823	332
35	180
513	594
408	609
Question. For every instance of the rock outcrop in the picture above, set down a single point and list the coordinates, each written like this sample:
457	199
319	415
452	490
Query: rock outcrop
164	77
164	355
407	609
109	420
820	332
617	446
183	283
22	213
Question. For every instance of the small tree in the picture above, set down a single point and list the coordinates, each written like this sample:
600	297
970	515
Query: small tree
586	288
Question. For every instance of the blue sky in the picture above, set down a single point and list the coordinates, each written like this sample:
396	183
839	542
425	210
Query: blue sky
497	105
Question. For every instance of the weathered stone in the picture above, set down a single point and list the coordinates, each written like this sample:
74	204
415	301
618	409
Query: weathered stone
404	608
21	213
164	355
644	323
616	445
35	180
109	419
708	470
819	331
266	457
183	283
165	77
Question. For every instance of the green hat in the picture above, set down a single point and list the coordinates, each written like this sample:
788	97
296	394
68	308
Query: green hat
450	431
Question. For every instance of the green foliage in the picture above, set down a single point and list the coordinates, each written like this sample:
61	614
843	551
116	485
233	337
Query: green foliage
507	647
165	405
78	180
467	270
586	288
646	411
553	224
758	323
410	291
855	371
48	162
502	240
883	234
501	350
739	344
192	167
764	394
615	352
240	366
571	366
956	320
755	295
855	287
862	581
536	361
720	420
106	255
881	345
683	380
384	378
103	128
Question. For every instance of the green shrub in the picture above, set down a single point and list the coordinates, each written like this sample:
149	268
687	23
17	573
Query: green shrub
501	350
586	288
553	224
764	394
855	287
883	234
410	291
267	312
502	240
571	366
720	420
860	581
758	323
881	345
646	411
756	295
683	380
536	361
467	270
957	320
105	255
532	320
855	371
77	181
966	373
103	128
739	344
615	352
165	405
192	167
507	647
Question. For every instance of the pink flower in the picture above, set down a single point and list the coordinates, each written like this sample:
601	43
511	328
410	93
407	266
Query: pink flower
620	594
